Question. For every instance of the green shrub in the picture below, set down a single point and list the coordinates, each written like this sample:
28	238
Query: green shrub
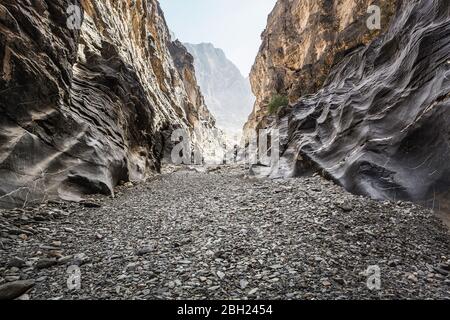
276	102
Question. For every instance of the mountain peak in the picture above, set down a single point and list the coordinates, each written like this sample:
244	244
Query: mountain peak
227	92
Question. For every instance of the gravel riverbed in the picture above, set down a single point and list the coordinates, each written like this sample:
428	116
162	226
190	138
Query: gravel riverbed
220	234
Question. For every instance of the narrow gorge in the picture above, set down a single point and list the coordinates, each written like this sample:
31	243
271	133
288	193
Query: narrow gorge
366	109
227	92
117	182
83	109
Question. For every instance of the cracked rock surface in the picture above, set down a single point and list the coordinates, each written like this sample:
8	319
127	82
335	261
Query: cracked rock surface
220	234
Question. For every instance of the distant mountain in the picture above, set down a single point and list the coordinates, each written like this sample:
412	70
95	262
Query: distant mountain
227	93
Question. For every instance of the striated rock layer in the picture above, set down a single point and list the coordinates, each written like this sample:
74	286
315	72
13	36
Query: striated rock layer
84	108
211	138
380	124
302	41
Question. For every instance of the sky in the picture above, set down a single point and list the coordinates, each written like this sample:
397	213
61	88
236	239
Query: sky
235	26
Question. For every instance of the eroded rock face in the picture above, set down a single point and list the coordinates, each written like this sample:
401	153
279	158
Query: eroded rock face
211	146
82	109
380	125
195	102
302	41
227	93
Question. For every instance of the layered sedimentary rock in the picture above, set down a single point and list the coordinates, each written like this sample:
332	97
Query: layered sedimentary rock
302	41
380	123
211	138
227	93
89	97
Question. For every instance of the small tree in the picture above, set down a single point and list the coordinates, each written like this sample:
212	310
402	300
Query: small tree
276	102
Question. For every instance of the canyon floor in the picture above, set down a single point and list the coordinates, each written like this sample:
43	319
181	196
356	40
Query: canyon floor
220	234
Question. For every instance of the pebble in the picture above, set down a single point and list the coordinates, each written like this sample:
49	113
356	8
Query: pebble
65	260
326	283
57	243
89	204
16	262
131	266
252	292
243	284
441	271
159	242
13	290
45	263
12	278
144	251
24	297
80	259
214	288
412	277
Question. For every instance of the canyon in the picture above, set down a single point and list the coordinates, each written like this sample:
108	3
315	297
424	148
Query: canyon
227	93
367	107
84	109
93	206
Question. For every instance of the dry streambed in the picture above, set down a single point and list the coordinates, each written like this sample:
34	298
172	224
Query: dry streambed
221	234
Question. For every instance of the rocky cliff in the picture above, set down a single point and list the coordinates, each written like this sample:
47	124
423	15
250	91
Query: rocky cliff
211	139
227	92
90	95
377	117
301	43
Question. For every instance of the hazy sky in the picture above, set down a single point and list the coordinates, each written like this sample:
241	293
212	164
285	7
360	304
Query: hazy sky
232	25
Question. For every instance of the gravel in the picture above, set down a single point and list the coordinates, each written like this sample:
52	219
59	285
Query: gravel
220	234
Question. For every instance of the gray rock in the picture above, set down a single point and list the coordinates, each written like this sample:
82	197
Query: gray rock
17	262
445	266
11	278
243	284
89	204
144	251
45	263
442	271
253	291
80	259
13	290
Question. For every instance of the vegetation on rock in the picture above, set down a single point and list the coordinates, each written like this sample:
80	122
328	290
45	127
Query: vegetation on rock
276	102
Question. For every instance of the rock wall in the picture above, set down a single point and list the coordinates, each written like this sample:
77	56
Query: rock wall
302	41
212	139
380	124
227	93
195	102
84	108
